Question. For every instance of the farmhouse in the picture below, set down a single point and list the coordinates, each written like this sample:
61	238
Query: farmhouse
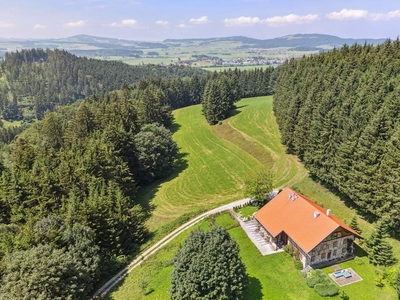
320	238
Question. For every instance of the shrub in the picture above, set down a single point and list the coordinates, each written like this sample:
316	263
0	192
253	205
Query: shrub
311	281
298	264
326	289
358	261
379	280
322	283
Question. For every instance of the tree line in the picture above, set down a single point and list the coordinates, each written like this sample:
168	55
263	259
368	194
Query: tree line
217	91
69	214
339	112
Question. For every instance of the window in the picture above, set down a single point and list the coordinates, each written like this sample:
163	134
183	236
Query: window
323	255
334	253
312	258
335	244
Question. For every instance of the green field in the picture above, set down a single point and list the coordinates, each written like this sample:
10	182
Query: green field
212	69
215	161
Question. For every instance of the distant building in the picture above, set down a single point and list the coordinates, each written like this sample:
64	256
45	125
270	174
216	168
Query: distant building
320	238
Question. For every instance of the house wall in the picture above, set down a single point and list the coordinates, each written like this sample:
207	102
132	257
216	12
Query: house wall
265	233
303	256
332	249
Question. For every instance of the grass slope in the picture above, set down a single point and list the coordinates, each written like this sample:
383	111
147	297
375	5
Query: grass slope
214	163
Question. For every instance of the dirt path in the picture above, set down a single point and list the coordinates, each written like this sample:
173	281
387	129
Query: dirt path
157	246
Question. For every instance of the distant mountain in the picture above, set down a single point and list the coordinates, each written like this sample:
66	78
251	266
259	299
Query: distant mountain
289	41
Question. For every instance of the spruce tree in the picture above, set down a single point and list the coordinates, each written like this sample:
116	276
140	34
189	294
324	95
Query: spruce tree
354	224
380	252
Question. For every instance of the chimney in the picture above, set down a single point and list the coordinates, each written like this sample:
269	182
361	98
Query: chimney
328	212
316	214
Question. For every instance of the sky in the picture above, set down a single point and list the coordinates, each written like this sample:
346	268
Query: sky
156	20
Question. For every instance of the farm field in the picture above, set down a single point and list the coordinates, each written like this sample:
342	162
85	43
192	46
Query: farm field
214	162
212	69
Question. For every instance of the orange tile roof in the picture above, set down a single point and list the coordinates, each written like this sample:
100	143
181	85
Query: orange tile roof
296	219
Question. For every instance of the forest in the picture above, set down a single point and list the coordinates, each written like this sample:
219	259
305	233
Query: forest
69	181
34	81
339	112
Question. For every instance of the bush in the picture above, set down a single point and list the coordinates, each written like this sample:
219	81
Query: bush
311	281
322	284
326	289
298	264
358	261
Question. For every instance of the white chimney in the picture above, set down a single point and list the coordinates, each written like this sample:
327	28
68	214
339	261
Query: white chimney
316	214
328	212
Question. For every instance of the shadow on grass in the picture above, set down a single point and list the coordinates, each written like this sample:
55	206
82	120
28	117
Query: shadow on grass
147	193
235	111
174	127
253	290
358	251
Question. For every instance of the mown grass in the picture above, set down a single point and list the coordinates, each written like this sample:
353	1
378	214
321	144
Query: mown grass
247	211
211	171
214	163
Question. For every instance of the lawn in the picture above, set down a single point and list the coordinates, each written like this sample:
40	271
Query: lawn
213	165
247	211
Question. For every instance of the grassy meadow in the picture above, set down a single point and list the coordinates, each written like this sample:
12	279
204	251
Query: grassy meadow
215	160
213	165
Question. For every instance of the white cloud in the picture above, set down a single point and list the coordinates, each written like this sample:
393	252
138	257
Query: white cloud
129	22
6	25
125	23
290	19
39	26
202	20
162	23
79	23
242	21
386	16
182	25
348	14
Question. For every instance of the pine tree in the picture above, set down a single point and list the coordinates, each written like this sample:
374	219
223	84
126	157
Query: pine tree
380	252
354	224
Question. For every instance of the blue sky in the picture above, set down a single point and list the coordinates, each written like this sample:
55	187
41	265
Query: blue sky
158	20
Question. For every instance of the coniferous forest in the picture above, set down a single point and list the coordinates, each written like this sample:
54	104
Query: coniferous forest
339	112
38	80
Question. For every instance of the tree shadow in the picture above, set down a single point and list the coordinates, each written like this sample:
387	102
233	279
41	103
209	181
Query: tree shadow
253	290
147	193
358	251
174	127
235	111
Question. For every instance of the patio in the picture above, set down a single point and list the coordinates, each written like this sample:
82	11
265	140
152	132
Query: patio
345	277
